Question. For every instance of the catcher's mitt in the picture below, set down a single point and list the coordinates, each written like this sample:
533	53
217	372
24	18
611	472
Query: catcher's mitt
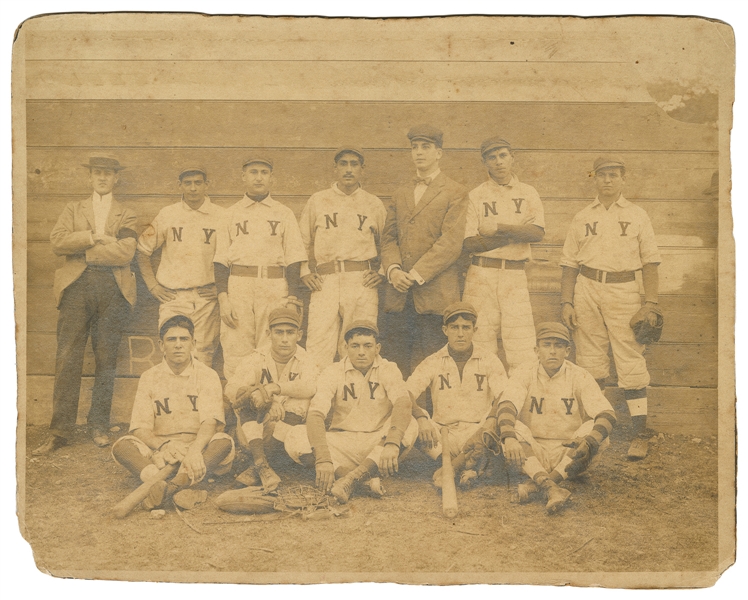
644	331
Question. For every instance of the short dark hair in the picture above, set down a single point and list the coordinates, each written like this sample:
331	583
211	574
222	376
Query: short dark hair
177	321
467	316
361	331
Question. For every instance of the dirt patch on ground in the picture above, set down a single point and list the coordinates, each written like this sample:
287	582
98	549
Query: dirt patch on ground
659	514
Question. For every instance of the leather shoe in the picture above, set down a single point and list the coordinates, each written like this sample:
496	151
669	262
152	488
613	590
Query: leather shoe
52	443
100	437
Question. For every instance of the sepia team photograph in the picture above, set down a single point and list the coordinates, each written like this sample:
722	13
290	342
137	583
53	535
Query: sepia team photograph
427	301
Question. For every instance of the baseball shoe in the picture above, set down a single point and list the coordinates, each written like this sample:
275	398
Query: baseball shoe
249	477
638	449
52	443
268	477
342	488
526	491
556	496
100	437
159	495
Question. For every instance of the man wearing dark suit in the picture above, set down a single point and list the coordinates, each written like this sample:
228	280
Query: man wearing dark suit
420	244
94	291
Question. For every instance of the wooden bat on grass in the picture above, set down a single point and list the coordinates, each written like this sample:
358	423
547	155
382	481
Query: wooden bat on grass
125	506
449	492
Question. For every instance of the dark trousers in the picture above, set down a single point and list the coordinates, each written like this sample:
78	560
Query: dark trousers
92	305
408	337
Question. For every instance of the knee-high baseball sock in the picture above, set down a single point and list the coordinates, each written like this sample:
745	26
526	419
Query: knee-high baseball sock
637	405
215	453
128	455
601	383
257	449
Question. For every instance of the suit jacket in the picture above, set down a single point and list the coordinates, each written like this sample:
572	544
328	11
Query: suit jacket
428	238
71	238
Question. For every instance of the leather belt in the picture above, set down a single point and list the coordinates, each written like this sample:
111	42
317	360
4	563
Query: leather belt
606	277
100	268
498	263
271	272
343	266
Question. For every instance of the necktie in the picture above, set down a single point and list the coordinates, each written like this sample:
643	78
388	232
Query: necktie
423	180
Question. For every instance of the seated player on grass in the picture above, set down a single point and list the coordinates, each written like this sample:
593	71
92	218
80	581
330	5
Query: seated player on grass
465	380
177	417
552	420
270	392
369	408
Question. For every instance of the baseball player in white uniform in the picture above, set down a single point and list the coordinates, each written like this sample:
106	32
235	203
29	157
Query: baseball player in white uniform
465	380
184	283
504	217
553	419
177	417
607	243
340	227
257	264
270	392
369	408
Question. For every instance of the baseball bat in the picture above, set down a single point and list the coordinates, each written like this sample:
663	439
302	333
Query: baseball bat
125	506
449	492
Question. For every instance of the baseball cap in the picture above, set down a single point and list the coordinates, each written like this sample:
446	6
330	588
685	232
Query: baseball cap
103	162
193	169
362	324
426	132
284	316
459	308
351	149
492	144
553	330
608	161
258	159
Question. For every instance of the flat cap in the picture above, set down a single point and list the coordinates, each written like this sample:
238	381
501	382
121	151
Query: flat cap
284	316
362	324
258	159
459	308
492	144
104	162
193	169
550	329
608	161
426	132
349	149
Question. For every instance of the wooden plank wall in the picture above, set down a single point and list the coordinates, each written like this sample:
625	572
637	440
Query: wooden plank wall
669	165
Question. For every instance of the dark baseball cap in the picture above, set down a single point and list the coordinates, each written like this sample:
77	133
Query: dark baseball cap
104	162
258	159
362	324
459	308
552	330
191	170
608	161
284	316
351	150
492	144
428	133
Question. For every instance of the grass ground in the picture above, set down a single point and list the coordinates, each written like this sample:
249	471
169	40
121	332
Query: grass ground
659	514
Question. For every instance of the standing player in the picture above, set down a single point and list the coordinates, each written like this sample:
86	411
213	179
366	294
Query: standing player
465	380
421	241
94	290
257	263
365	398
176	418
184	284
341	227
607	243
564	420
504	217
271	390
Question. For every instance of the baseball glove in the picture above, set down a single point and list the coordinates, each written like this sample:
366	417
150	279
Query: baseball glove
582	451
647	324
254	396
295	303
